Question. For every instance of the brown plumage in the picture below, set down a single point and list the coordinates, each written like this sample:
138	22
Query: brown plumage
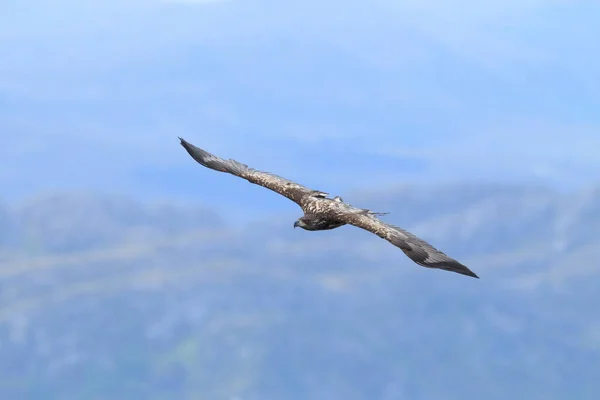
323	213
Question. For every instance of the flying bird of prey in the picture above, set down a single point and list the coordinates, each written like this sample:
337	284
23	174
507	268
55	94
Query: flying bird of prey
323	213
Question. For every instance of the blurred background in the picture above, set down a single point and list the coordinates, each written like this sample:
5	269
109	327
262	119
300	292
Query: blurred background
129	271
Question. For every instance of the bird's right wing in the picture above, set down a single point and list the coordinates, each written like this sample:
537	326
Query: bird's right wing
284	187
414	247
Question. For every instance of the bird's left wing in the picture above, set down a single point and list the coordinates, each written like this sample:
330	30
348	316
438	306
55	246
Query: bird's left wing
415	248
284	187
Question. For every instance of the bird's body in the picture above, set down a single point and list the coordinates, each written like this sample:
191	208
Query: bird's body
315	223
323	213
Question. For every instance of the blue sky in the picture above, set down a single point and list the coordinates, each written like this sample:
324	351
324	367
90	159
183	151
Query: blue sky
338	95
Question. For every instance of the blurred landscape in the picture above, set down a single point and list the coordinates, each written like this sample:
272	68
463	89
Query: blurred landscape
107	297
127	271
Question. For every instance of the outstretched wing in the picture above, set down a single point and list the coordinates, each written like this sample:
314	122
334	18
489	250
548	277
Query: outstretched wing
285	187
415	248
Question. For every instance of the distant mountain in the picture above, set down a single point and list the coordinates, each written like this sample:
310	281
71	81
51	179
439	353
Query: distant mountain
70	222
105	297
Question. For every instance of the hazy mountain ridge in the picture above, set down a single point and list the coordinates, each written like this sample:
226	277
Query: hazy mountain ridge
197	309
68	222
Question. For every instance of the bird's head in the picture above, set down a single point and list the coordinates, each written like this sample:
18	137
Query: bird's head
300	222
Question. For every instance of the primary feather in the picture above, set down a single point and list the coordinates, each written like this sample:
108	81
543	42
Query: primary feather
322	213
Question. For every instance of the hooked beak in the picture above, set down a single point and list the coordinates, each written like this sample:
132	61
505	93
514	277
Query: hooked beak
296	224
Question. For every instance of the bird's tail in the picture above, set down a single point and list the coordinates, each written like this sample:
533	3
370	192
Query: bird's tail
373	213
377	213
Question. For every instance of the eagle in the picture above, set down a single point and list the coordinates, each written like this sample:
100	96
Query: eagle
324	213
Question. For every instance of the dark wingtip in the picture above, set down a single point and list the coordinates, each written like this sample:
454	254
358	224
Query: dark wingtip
468	272
455	267
186	145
